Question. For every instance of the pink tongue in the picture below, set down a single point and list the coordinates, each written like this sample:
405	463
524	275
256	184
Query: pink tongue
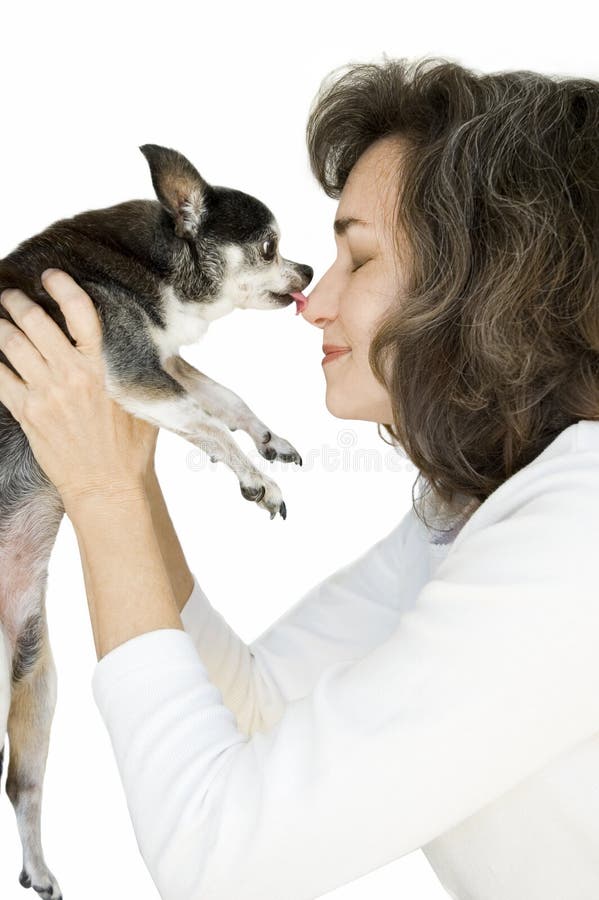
300	301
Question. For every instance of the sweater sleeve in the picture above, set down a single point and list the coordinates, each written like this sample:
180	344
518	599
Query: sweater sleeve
491	674
342	617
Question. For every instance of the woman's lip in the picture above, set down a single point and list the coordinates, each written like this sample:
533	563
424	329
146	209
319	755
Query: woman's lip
334	353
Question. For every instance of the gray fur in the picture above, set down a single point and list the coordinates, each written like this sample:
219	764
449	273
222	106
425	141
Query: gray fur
28	647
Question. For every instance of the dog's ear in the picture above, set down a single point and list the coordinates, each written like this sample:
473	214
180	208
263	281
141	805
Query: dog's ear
179	187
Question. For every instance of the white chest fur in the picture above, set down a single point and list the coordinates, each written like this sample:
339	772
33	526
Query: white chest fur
186	323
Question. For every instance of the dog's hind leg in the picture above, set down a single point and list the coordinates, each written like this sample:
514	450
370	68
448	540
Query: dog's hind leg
29	723
5	690
27	534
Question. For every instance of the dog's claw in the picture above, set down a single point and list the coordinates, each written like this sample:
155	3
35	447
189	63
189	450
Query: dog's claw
283	510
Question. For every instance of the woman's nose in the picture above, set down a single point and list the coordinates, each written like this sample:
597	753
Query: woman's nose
322	304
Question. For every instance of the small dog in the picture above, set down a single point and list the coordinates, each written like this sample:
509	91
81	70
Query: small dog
158	272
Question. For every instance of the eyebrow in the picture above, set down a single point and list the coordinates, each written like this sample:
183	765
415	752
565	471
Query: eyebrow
341	225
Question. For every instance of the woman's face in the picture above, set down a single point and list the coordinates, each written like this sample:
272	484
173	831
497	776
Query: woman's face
350	298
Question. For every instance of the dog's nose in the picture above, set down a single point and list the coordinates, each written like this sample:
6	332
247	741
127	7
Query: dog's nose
308	272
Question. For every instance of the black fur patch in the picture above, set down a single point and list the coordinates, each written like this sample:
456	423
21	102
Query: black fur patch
28	648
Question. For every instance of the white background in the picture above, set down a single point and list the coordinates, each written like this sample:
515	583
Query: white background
230	86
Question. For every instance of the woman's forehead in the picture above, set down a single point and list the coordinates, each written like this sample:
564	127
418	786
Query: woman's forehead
373	206
371	188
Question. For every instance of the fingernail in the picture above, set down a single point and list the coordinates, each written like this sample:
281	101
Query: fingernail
47	272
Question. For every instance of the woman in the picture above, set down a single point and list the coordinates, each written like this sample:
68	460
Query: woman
441	690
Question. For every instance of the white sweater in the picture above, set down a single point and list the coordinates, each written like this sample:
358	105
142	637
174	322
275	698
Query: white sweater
441	696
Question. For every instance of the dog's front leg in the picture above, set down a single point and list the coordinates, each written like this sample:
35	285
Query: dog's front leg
227	406
169	406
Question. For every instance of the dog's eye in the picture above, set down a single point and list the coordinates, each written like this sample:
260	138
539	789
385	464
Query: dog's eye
268	249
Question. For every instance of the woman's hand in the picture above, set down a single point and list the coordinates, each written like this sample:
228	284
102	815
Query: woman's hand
83	440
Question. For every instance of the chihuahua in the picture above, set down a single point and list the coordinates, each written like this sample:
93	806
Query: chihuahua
158	272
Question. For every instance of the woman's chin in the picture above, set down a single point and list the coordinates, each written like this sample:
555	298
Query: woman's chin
340	407
343	407
339	415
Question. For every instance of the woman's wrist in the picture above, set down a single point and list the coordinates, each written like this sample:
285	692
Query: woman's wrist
103	500
99	507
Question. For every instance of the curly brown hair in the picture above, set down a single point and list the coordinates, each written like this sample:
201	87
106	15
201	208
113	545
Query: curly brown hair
493	346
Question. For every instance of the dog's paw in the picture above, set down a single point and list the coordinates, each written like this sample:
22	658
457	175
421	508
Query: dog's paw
265	493
43	882
274	447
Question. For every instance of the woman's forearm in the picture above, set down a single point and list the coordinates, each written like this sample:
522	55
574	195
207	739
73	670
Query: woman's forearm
172	553
128	588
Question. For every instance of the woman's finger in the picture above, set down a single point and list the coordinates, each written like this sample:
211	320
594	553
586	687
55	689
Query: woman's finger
22	354
43	332
12	391
77	307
